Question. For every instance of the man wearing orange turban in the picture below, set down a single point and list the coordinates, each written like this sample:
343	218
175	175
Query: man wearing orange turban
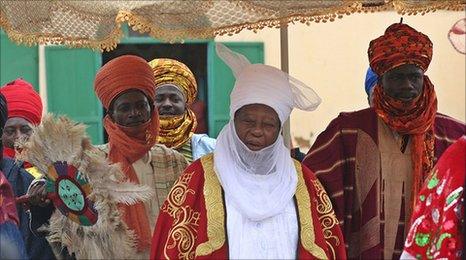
175	91
372	162
125	86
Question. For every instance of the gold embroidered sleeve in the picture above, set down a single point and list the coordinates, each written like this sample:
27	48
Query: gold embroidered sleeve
215	210
182	235
307	234
327	217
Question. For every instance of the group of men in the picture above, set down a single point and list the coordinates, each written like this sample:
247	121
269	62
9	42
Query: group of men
242	196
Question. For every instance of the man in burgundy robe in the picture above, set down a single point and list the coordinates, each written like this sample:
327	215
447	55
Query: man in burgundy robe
372	162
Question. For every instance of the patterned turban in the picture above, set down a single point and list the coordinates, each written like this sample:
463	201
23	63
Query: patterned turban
23	101
400	45
121	74
168	71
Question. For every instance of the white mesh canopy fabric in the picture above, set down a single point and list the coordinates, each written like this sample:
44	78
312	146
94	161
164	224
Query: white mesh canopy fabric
97	24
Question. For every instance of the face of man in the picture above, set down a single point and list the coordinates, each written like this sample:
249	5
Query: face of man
131	108
257	126
16	128
169	100
404	82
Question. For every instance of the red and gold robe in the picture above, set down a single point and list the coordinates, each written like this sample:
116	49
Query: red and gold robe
192	220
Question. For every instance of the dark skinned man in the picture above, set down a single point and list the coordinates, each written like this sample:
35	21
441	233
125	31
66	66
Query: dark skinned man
249	199
125	86
372	162
25	111
176	90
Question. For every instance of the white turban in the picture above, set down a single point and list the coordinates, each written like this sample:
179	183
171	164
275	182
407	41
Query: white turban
263	84
259	184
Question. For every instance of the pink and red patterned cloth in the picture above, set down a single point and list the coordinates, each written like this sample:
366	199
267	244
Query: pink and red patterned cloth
438	218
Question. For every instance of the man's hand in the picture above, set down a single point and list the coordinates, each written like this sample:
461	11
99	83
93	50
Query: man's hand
38	194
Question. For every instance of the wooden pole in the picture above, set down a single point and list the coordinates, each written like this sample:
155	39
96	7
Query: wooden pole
285	68
42	78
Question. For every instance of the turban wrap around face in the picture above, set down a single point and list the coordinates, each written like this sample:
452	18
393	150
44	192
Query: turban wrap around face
168	71
176	131
400	45
129	144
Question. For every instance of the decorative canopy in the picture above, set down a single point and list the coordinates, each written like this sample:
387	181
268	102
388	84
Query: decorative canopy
97	24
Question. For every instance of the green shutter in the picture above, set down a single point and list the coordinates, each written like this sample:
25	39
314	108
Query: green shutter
18	61
70	87
221	81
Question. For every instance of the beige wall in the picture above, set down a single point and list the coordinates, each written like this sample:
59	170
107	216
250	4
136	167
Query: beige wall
332	58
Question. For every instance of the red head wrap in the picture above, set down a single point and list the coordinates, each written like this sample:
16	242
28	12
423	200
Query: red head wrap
23	101
399	45
129	144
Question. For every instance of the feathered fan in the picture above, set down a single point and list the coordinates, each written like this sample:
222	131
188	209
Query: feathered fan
85	189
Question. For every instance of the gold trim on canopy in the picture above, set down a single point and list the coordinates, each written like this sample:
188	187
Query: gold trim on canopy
97	24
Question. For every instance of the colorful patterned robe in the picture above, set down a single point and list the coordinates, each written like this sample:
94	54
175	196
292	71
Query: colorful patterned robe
346	159
438	218
192	221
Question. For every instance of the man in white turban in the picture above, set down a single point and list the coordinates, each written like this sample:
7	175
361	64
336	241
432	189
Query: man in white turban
249	199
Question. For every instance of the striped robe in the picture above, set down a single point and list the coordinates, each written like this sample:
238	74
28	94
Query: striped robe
346	159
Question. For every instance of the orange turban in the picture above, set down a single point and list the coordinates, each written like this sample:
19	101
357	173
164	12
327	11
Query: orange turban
121	74
168	71
400	45
23	101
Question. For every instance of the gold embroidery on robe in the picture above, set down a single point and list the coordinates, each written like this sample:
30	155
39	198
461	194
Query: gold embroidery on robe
183	233
327	218
305	217
177	195
214	208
